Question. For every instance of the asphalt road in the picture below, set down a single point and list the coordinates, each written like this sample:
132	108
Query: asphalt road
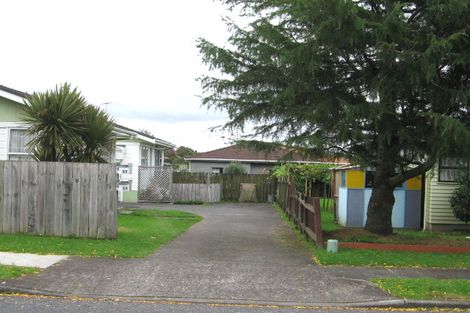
27	304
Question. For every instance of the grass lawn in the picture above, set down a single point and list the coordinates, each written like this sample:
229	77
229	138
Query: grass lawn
355	257
426	288
363	257
140	233
10	272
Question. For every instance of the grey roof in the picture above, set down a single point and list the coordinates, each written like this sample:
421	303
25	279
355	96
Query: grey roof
14	91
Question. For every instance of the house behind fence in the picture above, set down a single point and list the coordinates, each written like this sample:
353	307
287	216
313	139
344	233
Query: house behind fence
58	199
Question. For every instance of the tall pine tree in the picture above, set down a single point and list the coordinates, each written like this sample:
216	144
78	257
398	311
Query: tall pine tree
386	83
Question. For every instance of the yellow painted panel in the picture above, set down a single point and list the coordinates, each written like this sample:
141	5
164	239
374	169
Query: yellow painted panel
414	183
355	179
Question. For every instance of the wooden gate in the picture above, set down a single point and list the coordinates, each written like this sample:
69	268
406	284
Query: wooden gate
155	184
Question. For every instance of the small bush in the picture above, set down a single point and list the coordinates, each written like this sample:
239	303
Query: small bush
460	201
189	202
235	168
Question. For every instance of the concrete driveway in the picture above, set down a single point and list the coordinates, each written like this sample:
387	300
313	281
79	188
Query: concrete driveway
239	253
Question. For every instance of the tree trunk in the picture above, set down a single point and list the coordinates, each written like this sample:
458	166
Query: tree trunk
379	210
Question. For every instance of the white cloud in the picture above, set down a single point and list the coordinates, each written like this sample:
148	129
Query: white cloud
139	55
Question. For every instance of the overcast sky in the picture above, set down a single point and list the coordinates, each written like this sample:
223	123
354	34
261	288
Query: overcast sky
139	56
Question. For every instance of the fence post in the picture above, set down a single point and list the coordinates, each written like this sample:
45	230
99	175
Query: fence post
317	222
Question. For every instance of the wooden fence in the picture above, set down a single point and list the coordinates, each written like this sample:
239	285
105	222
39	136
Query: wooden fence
304	212
265	185
210	187
58	199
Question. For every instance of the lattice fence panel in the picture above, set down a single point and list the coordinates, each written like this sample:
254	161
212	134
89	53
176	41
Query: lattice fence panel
155	183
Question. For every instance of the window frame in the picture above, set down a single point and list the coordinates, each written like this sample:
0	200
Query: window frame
19	154
440	166
142	148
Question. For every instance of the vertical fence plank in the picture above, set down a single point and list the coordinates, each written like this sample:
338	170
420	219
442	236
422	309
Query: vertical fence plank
111	202
76	198
15	197
7	198
67	228
93	211
42	179
84	199
33	217
23	197
49	199
102	201
58	206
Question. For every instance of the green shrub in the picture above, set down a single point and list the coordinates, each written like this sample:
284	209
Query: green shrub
460	201
188	202
235	168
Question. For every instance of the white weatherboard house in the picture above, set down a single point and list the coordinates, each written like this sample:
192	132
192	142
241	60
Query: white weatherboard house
12	129
440	183
133	148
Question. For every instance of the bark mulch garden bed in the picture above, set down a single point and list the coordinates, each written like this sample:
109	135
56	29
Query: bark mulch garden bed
401	247
402	240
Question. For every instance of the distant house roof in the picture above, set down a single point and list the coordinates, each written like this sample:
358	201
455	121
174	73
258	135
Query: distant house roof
149	138
238	154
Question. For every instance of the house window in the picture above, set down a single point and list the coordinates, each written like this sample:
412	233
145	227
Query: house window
158	157
17	146
452	169
217	170
144	156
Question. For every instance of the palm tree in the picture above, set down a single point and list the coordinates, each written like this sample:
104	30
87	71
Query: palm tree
65	128
97	136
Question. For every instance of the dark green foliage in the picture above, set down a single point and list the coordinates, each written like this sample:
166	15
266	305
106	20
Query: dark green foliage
235	168
190	202
385	83
305	174
302	172
460	201
176	157
64	127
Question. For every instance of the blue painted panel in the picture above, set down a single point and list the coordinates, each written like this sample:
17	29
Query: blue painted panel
367	194
343	205
398	213
413	209
355	208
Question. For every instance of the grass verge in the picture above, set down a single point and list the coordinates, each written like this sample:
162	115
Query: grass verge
355	257
363	257
426	288
10	272
140	233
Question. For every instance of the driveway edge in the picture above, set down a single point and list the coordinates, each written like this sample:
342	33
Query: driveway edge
391	303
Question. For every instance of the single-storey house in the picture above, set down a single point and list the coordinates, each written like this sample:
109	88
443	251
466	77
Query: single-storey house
421	202
440	182
352	187
133	148
12	129
254	161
